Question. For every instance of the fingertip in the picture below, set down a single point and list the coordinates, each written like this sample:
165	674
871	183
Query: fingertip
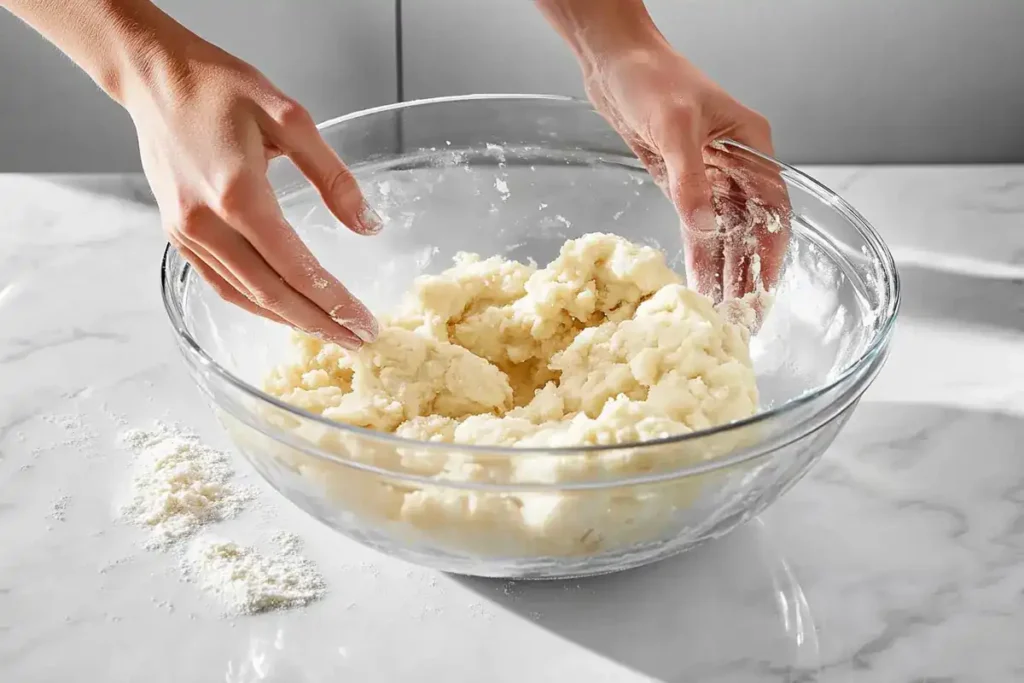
703	251
355	213
357	320
340	336
366	336
370	222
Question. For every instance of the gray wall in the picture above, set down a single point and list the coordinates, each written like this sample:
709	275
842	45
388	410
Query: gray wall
841	81
332	55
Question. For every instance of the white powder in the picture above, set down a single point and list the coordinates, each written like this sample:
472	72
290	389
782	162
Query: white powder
288	542
79	434
247	582
58	510
502	187
180	485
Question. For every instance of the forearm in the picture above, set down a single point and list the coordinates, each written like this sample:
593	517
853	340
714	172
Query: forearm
599	29
115	41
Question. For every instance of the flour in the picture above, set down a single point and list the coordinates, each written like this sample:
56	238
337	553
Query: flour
247	582
502	187
79	434
58	510
179	485
288	542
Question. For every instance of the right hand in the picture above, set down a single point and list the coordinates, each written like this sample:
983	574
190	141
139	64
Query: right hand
671	114
208	124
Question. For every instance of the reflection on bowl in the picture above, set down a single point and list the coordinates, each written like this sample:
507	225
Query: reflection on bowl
518	176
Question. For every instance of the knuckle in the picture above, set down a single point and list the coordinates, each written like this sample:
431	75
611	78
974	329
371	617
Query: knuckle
759	124
683	114
680	116
673	124
190	230
340	183
691	178
190	222
306	275
223	290
174	237
266	299
290	114
232	192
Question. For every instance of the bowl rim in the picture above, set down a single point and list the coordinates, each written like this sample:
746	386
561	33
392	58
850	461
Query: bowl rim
877	344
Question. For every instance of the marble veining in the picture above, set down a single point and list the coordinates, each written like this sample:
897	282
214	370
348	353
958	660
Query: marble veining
899	558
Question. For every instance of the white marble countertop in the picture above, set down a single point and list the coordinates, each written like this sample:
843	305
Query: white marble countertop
899	558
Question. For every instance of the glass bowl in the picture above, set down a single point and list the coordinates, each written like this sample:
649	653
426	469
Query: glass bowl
517	175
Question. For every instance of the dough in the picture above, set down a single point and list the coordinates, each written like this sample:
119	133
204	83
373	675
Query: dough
603	346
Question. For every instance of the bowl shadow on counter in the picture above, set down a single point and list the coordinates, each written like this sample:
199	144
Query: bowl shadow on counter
733	611
730	611
941	294
906	481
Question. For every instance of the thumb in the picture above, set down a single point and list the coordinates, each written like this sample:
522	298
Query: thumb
690	192
301	141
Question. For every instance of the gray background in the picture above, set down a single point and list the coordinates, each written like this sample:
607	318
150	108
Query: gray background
842	81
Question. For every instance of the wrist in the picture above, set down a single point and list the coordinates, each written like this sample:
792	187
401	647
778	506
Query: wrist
604	30
143	45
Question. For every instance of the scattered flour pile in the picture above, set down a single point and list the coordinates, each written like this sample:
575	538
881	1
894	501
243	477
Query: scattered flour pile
180	485
247	582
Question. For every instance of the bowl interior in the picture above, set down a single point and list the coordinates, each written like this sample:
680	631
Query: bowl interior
519	176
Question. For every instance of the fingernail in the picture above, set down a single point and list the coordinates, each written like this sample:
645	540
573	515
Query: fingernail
370	220
364	326
367	336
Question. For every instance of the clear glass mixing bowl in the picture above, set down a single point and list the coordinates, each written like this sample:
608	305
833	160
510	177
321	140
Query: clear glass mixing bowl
517	176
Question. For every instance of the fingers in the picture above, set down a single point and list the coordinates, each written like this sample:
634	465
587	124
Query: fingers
771	230
738	243
211	262
690	192
759	188
259	221
240	235
224	289
267	287
295	133
652	161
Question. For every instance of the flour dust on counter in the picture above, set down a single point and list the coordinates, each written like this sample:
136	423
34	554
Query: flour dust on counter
78	434
58	510
246	581
179	485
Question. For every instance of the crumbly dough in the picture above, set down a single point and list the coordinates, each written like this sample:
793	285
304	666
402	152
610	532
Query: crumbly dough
604	346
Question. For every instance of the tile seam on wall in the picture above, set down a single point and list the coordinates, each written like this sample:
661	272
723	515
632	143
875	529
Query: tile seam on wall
399	78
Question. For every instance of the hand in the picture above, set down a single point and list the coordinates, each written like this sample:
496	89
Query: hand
207	127
670	113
